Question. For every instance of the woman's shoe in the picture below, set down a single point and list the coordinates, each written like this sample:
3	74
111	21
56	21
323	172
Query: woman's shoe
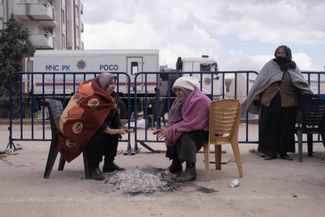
96	174
175	167
286	157
110	167
270	157
188	176
259	153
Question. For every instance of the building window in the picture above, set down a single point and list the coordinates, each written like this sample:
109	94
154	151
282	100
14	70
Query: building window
81	9
77	36
77	15
62	16
64	45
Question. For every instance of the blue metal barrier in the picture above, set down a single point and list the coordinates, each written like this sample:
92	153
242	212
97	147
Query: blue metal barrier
28	110
213	84
321	96
152	99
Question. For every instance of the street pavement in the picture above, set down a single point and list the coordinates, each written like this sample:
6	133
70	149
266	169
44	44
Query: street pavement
268	188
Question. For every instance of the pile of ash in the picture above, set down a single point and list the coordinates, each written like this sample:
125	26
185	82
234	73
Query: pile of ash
141	181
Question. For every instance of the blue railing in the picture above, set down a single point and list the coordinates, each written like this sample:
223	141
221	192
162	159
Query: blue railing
28	110
216	85
147	97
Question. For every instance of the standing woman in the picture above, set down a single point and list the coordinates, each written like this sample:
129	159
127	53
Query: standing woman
187	128
274	97
91	123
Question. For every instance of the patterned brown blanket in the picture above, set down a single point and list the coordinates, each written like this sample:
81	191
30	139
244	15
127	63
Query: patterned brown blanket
84	114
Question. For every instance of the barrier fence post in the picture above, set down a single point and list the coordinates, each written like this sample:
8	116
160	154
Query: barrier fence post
11	148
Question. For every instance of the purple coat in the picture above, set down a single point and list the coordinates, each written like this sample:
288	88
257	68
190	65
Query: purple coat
195	116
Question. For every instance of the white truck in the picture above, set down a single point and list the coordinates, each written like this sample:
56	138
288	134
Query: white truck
53	70
208	68
63	62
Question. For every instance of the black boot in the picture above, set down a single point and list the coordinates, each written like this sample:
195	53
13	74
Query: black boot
175	167
110	166
270	157
96	174
189	174
285	157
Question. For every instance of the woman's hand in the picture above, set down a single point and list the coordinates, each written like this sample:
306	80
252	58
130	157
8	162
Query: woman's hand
161	133
120	131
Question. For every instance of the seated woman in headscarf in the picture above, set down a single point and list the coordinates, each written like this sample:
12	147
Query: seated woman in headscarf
187	128
274	97
91	123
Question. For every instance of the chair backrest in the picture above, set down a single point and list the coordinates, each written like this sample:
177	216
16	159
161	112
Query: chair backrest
312	112
224	119
55	109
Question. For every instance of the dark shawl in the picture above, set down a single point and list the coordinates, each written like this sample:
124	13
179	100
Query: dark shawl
269	74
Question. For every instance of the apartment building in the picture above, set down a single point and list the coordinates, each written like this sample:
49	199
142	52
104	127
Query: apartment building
53	24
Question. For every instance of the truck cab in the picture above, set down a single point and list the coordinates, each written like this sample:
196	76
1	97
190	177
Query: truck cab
205	69
199	64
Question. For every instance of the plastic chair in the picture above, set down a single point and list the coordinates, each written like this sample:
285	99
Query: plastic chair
55	109
310	120
224	120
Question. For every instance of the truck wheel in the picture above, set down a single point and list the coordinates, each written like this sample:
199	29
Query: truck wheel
123	109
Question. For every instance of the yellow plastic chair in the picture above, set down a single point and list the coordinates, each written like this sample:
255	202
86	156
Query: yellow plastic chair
224	120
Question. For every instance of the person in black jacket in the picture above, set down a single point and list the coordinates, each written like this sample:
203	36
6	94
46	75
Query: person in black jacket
105	141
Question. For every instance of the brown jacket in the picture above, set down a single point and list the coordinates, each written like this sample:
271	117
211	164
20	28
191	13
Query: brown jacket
288	92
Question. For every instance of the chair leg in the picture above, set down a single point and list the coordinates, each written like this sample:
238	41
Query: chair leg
53	152
61	163
206	148
299	135
236	151
217	156
86	165
310	144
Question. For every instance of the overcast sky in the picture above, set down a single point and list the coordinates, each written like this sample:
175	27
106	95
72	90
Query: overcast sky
239	34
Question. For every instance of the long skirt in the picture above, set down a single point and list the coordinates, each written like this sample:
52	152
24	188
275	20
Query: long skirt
187	146
277	128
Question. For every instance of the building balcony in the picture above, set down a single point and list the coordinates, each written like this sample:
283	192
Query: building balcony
48	23
1	9
42	41
82	28
34	10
